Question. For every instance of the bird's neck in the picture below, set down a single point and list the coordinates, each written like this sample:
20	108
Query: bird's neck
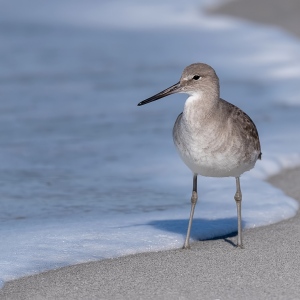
200	106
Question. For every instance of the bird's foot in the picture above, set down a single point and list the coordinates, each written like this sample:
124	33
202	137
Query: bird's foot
186	246
241	246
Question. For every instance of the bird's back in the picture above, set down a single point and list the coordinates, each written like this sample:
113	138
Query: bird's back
244	127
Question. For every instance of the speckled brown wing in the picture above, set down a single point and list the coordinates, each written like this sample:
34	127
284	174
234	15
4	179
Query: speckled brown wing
246	124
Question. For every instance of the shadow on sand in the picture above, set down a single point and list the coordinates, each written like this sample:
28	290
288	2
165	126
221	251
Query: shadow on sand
202	229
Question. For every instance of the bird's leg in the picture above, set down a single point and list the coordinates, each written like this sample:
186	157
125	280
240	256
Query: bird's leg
194	199
238	200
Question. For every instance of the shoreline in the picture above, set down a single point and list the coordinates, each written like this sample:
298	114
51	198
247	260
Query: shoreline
281	14
268	267
287	181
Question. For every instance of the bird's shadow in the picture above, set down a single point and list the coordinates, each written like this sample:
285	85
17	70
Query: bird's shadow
202	229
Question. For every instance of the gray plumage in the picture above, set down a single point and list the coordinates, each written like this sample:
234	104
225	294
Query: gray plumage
213	137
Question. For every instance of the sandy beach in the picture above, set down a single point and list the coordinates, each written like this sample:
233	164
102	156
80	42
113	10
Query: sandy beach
268	267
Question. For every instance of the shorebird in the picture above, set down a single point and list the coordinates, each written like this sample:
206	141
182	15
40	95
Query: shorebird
214	138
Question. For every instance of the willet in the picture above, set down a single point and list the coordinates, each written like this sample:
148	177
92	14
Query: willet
214	138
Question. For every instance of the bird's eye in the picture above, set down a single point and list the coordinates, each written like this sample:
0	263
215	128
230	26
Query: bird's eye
196	77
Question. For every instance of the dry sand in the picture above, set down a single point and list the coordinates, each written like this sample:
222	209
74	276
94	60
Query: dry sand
268	268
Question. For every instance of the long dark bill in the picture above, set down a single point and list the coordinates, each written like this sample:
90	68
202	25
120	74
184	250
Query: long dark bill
169	91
